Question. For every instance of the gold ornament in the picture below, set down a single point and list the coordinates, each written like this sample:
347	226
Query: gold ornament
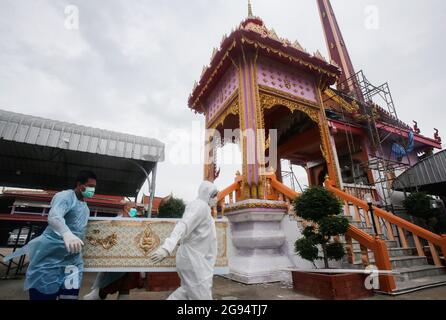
107	243
269	101
147	241
265	205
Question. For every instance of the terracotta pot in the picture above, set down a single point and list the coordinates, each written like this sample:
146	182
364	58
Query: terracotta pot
162	281
331	286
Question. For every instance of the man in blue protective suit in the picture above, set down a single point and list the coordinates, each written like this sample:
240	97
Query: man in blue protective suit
56	266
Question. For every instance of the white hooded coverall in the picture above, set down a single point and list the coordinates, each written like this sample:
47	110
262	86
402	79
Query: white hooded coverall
197	253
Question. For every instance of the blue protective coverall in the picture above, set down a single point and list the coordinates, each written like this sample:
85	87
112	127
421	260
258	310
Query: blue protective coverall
51	265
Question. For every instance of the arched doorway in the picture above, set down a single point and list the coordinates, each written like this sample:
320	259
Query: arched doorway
298	140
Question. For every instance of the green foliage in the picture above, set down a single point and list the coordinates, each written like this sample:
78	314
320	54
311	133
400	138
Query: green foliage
335	251
419	205
172	209
440	225
306	249
323	210
332	226
316	203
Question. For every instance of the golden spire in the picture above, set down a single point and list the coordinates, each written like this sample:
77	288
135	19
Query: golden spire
250	15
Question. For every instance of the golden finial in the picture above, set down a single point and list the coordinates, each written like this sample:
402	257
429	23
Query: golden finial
250	15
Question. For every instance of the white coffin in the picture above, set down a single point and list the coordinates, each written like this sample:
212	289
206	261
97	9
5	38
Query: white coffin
124	245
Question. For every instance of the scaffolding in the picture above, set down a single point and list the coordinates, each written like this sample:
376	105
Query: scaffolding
372	100
289	174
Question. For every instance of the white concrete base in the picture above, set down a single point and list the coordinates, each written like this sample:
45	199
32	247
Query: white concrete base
259	245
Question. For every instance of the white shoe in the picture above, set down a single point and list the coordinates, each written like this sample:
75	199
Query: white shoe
93	295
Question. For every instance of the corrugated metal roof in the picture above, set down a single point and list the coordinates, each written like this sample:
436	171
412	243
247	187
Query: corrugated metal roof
429	172
46	154
50	133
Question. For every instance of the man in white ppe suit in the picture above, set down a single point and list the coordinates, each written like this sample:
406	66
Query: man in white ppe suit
197	253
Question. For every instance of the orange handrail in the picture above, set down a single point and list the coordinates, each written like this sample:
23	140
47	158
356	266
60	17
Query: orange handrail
377	246
225	192
236	186
362	237
281	188
404	224
381	253
277	185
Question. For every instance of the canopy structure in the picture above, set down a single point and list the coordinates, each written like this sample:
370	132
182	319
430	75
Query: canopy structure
40	153
428	175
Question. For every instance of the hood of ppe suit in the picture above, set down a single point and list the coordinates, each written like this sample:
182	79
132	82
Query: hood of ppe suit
206	190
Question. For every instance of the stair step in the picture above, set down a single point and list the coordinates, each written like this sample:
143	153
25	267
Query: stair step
393	252
417	272
408	261
402	262
368	230
390	245
419	284
357	223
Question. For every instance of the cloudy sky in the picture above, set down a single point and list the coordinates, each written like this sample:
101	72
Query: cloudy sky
130	66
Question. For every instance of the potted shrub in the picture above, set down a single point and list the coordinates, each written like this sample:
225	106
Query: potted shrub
323	212
172	208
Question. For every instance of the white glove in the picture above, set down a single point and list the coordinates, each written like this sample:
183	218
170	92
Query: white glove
72	243
159	255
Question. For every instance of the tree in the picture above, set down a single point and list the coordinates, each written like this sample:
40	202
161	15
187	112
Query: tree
172	208
418	205
323	212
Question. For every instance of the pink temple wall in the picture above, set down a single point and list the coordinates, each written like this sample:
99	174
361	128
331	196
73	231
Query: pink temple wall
221	94
278	76
387	152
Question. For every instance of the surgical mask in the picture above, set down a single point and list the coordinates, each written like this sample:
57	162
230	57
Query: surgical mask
88	192
133	212
213	202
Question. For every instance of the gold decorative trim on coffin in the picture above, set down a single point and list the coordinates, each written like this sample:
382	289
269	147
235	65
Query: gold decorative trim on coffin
107	242
126	244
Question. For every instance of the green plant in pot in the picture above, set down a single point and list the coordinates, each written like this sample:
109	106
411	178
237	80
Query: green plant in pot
323	212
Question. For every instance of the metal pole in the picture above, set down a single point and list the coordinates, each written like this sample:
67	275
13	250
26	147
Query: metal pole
146	173
152	190
16	244
22	258
373	219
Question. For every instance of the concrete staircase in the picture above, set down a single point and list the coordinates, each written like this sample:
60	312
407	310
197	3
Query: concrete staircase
415	272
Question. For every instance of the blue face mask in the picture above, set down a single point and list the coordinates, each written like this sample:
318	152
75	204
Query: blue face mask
89	192
133	212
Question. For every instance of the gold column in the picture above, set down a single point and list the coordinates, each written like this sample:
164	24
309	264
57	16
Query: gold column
326	147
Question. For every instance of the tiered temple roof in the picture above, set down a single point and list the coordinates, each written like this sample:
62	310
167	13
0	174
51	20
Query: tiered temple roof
252	33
